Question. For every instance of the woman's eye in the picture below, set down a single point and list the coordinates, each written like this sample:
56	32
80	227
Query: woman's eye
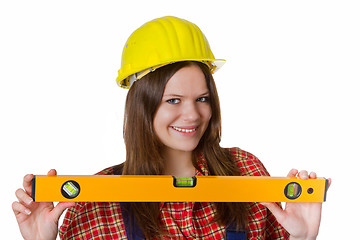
203	99
173	101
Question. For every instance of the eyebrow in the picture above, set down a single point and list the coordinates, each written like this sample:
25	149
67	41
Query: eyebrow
177	95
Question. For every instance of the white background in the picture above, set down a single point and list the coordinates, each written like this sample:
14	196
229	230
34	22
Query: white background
289	90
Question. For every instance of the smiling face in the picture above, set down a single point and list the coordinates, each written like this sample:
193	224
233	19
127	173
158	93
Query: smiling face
184	112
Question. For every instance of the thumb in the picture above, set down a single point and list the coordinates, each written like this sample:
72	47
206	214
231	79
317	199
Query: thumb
276	210
60	208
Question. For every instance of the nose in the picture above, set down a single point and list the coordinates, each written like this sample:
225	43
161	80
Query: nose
190	112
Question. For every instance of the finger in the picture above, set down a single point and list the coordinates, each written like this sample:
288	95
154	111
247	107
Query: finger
60	208
329	182
312	175
27	182
276	210
23	197
292	173
304	174
18	208
52	172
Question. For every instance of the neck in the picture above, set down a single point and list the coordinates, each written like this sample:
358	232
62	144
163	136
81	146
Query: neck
178	163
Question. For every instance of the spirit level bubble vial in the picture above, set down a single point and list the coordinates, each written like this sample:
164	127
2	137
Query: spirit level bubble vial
166	188
70	189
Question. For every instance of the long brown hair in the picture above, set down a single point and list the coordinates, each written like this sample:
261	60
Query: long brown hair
143	146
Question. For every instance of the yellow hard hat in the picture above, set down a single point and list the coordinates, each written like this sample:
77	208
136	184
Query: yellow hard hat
160	42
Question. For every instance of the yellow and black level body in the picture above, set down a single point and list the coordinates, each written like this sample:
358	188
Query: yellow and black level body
166	188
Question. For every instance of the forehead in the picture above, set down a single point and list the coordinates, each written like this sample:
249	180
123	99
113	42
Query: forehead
189	80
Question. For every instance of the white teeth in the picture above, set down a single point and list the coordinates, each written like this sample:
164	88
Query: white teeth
184	130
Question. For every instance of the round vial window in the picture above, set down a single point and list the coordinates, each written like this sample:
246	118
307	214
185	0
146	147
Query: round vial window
292	190
70	189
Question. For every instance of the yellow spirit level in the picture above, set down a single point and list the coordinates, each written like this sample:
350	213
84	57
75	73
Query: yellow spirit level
166	188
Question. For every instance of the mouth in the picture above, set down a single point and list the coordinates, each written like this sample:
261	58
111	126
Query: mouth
184	130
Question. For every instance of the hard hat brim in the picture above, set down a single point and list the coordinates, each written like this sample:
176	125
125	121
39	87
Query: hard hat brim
123	77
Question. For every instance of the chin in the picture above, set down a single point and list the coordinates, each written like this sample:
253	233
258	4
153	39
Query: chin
188	148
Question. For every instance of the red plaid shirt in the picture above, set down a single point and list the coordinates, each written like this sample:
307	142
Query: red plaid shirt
182	220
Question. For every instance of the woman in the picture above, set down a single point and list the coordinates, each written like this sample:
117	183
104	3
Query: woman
172	126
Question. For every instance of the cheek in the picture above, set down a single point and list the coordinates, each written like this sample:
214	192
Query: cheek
206	114
163	118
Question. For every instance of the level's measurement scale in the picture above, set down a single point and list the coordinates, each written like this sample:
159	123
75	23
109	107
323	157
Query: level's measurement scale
161	188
